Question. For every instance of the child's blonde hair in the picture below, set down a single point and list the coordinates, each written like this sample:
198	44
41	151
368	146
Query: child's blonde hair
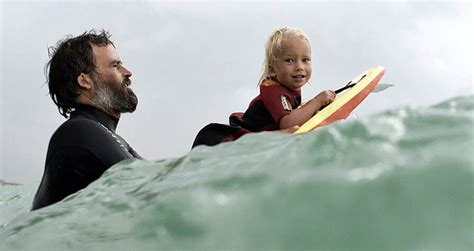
273	47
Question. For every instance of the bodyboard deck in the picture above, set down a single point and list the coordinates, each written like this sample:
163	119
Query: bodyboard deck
345	103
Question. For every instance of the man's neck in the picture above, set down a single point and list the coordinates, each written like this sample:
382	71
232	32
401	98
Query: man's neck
86	101
111	113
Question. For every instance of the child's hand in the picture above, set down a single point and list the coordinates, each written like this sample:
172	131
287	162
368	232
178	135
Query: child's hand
306	111
325	98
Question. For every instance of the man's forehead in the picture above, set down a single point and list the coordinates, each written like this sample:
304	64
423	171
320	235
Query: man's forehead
105	52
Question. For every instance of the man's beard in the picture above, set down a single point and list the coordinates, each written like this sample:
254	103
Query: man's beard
114	96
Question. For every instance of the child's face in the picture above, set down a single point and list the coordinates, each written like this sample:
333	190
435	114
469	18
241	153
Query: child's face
292	67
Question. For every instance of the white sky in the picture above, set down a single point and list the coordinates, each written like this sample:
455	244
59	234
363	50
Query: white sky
196	62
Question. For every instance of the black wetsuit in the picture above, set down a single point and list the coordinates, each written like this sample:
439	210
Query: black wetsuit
79	152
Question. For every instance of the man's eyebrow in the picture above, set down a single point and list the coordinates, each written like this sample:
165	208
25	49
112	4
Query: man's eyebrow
116	61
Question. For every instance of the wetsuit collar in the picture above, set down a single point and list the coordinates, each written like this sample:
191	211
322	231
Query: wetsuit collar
96	114
268	82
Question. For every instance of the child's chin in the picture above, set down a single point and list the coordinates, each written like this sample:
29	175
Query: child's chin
295	85
296	88
298	85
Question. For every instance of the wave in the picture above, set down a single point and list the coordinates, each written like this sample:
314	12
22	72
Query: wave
400	179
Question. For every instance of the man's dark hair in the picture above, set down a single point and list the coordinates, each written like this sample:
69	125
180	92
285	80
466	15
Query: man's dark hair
71	57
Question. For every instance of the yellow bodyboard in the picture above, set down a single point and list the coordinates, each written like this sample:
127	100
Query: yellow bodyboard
345	102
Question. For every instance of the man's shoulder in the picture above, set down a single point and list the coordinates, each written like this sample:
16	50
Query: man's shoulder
79	125
79	129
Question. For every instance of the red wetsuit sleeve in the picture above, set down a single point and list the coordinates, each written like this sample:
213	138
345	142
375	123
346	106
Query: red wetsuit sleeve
277	100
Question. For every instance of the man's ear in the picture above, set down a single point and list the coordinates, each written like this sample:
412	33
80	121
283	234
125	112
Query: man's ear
84	81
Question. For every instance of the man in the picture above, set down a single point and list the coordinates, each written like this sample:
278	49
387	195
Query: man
91	87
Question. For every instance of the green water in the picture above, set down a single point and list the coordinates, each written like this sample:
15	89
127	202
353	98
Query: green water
398	180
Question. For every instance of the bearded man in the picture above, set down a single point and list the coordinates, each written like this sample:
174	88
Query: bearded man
91	87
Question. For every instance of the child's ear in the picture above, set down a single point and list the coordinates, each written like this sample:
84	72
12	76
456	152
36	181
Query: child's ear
271	70
84	81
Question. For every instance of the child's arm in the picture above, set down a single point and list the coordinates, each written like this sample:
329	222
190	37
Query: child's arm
300	115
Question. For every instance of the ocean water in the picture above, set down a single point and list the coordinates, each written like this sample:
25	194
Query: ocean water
398	180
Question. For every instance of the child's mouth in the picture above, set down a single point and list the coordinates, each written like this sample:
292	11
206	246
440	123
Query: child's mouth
298	77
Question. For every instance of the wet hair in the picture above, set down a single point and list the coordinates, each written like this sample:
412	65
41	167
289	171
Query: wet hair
71	57
273	48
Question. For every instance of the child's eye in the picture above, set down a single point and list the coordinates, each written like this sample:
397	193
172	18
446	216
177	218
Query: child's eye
306	60
289	60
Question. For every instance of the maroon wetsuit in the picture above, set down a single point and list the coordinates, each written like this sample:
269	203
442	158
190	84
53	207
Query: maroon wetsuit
263	114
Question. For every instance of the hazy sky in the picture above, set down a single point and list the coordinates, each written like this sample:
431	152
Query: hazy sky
196	62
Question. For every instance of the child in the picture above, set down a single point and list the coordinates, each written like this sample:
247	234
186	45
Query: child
286	68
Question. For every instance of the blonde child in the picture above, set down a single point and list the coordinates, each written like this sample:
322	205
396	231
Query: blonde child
286	69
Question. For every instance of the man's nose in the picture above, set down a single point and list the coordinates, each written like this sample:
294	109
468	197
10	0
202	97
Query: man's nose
126	72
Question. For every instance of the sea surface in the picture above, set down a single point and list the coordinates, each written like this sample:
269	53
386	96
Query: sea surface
402	179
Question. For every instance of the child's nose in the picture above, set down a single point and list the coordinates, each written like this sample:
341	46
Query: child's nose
299	66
